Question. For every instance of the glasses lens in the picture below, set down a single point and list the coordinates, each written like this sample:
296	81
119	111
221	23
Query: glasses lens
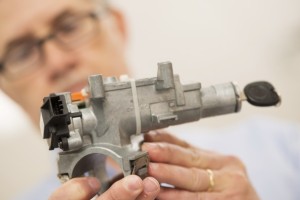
75	30
71	31
21	57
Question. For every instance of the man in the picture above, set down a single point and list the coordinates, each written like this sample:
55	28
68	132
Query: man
53	46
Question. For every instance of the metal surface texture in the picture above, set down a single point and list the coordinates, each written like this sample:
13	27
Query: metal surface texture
109	122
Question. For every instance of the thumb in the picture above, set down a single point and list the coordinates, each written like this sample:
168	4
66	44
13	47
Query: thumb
128	188
77	189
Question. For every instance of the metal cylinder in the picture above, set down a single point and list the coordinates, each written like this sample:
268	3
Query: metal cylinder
220	99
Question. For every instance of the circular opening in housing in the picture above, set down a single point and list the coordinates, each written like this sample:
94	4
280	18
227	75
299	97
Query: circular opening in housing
100	166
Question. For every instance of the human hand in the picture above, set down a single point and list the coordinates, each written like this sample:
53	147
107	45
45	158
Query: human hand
195	173
129	188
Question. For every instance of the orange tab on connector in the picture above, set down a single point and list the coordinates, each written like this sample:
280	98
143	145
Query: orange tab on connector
77	96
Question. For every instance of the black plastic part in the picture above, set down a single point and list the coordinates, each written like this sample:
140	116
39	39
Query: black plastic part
262	94
56	118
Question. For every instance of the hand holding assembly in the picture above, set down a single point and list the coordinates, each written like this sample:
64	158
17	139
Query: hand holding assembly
195	173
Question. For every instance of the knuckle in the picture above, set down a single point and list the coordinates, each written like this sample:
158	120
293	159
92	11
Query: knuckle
164	148
239	178
232	159
229	195
240	182
235	161
159	152
195	158
197	180
233	194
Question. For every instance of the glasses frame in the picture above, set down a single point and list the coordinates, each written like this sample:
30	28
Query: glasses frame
52	35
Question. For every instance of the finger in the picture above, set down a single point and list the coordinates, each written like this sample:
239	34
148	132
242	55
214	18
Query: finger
176	155
151	189
168	193
163	136
128	188
77	189
191	179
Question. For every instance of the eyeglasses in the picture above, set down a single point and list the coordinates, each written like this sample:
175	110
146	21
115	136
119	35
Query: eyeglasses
24	56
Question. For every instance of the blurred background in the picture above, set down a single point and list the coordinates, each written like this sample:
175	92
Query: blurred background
208	41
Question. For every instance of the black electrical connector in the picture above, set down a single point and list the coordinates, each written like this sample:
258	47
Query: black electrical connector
56	118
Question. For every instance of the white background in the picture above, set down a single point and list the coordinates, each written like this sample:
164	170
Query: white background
208	41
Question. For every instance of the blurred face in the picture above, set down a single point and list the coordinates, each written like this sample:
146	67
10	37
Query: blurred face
54	45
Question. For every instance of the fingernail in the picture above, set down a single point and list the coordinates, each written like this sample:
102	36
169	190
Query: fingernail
150	185
133	183
152	166
152	133
94	183
149	146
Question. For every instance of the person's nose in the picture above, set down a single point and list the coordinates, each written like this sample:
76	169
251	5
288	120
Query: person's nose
58	61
